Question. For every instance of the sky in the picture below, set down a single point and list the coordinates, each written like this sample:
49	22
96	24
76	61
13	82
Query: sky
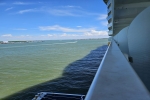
52	19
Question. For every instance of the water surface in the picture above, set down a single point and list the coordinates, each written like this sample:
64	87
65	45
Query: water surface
66	66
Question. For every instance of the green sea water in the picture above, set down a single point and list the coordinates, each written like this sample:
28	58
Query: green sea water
25	65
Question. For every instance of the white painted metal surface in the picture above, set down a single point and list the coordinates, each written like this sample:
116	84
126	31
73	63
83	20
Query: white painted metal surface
122	12
122	40
116	80
138	44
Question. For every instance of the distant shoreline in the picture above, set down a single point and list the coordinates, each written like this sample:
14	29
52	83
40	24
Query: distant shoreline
30	41
11	42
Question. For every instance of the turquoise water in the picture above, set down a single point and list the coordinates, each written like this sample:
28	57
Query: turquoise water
27	65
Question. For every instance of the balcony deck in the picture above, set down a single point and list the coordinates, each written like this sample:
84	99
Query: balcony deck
116	79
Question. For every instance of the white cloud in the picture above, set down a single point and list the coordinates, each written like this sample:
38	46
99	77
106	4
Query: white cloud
21	3
79	32
63	29
102	17
95	33
7	35
74	33
2	4
70	35
62	12
74	11
60	35
59	32
70	6
8	8
20	29
40	2
49	35
68	10
79	26
73	6
56	36
24	35
55	11
42	35
26	11
104	23
64	34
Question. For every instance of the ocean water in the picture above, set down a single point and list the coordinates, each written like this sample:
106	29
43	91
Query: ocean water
63	66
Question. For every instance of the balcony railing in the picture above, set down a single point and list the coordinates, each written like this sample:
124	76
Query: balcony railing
110	32
108	3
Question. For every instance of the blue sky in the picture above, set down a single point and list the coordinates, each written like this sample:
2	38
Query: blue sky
52	19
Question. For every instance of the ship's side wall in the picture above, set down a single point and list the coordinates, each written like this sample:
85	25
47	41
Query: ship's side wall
129	26
116	80
130	29
139	45
122	40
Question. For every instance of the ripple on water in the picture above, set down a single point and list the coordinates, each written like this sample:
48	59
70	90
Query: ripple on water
75	77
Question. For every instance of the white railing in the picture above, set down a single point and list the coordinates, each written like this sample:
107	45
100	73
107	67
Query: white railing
109	2
110	32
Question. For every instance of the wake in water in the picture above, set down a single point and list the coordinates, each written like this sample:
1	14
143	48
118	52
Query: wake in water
39	45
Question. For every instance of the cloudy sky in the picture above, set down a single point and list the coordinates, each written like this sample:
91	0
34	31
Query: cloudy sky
52	19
